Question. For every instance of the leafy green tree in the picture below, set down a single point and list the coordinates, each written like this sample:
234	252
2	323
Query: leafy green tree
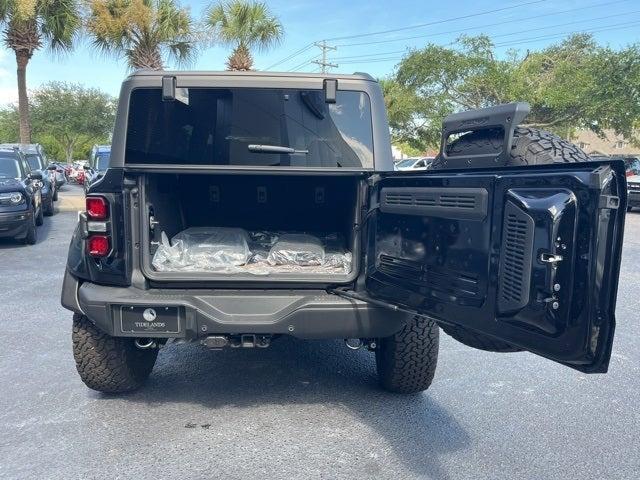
143	31
573	84
28	25
9	125
72	117
244	25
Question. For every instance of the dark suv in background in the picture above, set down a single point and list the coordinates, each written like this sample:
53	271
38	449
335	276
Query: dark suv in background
21	206
35	156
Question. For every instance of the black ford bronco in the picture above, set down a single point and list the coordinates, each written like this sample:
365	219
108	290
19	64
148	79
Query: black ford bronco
241	207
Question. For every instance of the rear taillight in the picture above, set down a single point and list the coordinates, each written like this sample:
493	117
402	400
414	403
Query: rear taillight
97	208
98	245
99	239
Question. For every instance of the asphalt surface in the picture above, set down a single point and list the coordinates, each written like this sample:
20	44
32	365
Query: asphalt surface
303	409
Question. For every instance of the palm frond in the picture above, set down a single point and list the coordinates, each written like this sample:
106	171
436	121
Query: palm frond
60	22
242	23
143	31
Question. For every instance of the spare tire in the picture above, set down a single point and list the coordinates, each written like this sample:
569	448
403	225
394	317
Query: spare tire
530	147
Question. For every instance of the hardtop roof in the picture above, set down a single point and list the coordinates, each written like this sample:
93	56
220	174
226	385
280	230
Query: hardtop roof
212	73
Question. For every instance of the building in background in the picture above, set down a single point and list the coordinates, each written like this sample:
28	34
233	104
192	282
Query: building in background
612	144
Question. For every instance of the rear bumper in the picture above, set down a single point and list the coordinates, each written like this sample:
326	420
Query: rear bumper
308	314
15	224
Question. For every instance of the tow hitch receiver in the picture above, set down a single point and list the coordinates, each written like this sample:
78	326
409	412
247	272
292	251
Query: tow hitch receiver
247	340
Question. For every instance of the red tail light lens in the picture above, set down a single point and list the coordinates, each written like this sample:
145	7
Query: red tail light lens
97	208
98	245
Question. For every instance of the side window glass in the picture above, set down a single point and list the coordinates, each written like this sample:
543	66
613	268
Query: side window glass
25	166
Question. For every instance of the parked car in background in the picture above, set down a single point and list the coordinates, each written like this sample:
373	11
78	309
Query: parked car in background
21	207
98	164
60	174
631	164
77	173
67	168
421	163
37	160
633	192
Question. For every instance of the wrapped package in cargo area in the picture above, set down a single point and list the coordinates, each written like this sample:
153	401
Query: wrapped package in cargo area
284	227
234	250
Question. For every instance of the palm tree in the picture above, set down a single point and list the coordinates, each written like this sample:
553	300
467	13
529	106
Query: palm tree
243	25
28	25
143	31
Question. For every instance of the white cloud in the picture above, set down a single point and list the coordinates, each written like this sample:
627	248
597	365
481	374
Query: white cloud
8	94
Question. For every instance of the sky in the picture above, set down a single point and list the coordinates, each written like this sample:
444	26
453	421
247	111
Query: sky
520	24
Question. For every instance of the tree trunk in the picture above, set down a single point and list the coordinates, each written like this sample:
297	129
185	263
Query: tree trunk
69	143
22	59
240	59
69	153
144	57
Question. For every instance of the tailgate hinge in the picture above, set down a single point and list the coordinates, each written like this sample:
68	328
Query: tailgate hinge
611	202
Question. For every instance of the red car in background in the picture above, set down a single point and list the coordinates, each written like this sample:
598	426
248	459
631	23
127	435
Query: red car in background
632	164
77	174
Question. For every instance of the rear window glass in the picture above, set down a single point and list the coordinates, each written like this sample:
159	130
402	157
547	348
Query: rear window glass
243	127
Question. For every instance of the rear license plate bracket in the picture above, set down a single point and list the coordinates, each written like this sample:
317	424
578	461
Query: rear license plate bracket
150	319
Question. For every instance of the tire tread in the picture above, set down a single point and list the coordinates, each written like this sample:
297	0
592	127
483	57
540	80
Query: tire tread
406	362
109	364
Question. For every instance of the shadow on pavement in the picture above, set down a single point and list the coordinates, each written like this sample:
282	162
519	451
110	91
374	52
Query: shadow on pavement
296	372
44	231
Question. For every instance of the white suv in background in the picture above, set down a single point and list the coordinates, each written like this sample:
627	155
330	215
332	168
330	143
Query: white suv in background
421	163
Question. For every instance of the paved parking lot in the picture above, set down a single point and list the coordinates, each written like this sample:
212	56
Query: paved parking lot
303	410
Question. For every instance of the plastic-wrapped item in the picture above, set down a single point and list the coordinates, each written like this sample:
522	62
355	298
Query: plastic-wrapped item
203	248
297	249
233	250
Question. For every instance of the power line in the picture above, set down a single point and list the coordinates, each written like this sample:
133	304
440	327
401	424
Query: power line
310	45
352	57
437	22
305	63
294	54
323	64
544	37
514	42
461	30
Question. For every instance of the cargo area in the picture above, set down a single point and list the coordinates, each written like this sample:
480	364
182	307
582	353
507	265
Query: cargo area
250	227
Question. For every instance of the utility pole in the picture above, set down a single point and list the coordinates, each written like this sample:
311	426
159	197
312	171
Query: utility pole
324	63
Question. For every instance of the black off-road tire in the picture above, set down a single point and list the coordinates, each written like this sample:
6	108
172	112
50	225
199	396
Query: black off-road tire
109	364
32	234
406	362
40	216
48	208
530	147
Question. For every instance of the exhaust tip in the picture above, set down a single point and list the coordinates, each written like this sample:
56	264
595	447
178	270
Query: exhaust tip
353	343
145	343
